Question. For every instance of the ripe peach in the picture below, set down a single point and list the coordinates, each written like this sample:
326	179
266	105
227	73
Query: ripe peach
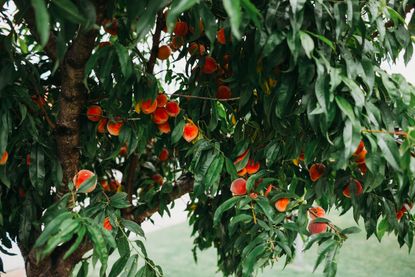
253	195
190	131
149	106
107	224
115	185
269	188
210	65
164	128
81	177
181	29
176	43
360	158
317	227
317	211
241	157
242	172
160	116
123	150
94	113
358	189
4	158
359	148
105	185
316	171
196	49
252	167
114	127
161	100
363	168
101	125
164	154
158	179
223	92
39	100
281	204
104	43
110	26
400	213
238	186
172	108
164	52
220	35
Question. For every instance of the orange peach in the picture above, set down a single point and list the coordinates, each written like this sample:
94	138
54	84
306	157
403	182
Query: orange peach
81	177
107	224
242	172
220	36
252	167
160	116
181	29
269	188
164	154
161	100
223	92
164	128
360	158
101	125
316	171
149	106
94	113
358	189
164	52
210	65
281	204
241	157
359	148
238	186
158	179
105	185
190	131
4	158
253	195
172	108
114	127
317	211
317	227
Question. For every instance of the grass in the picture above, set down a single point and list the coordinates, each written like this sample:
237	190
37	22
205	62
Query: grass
171	249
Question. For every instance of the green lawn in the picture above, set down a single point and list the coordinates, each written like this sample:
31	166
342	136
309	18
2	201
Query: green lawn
171	248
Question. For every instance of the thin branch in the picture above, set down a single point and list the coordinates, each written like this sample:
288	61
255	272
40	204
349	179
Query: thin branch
205	98
156	42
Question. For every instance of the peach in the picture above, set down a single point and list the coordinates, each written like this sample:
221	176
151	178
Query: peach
94	113
81	177
190	131
4	158
123	150
160	116
158	179
164	128
253	195
101	125
269	188
242	172
107	224
114	127
115	185
317	227
400	213
241	157
316	171
210	65
238	186
137	108
358	189
220	35
196	49
223	92
164	154
359	148
164	52
252	167
39	100
363	168
172	108
281	204
360	158
104	43
110	26
317	211
149	106
181	29
28	159
176	43
161	100
105	185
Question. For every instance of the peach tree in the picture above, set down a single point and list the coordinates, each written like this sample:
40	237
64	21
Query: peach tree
268	113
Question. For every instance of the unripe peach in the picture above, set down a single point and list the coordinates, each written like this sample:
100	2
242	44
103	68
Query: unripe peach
238	186
317	211
316	171
164	52
223	92
181	29
358	189
317	227
252	167
81	177
281	204
210	65
164	128
220	35
94	113
161	100
149	106
107	224
4	158
172	108
160	116
114	127
190	131
101	125
164	154
158	179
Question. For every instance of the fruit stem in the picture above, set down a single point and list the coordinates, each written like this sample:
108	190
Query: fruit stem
253	212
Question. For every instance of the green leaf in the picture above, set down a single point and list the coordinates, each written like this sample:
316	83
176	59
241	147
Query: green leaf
228	204
323	39
119	200
351	230
345	106
252	258
86	185
390	151
118	266
315	238
133	227
233	9
124	59
42	20
177	133
307	43
99	246
70	10
177	7
266	208
212	176
80	236
37	168
52	228
253	178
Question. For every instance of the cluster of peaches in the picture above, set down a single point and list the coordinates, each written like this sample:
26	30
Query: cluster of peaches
95	114
251	167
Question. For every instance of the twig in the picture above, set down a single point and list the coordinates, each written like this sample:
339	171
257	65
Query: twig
205	98
156	42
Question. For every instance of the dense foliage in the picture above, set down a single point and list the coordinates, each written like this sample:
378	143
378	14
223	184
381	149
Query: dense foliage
160	98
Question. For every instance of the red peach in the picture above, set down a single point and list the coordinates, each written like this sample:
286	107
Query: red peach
28	159
317	227
123	150
316	171
164	154
164	128
149	106
94	113
360	158
190	131
104	43
114	127
164	52
4	158
358	189
158	179
210	65
160	116
223	92
172	108
110	26
115	185
359	148
238	186
39	100
105	185
107	224
176	43
81	177
317	211
252	167
22	193
253	195
101	125
269	188
281	204
181	29
220	35
161	100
